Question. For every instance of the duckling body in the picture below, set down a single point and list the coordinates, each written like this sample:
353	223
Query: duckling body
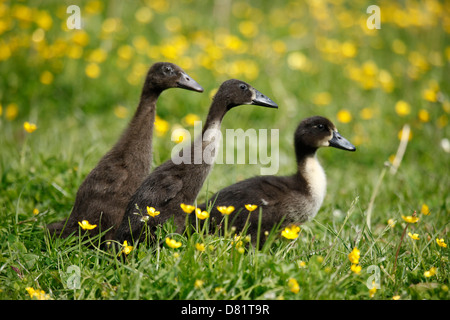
172	183
292	199
103	195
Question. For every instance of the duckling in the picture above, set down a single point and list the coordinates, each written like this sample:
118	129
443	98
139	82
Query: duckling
104	194
172	183
292	199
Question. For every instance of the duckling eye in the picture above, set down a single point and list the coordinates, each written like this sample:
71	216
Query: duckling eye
168	69
320	126
243	86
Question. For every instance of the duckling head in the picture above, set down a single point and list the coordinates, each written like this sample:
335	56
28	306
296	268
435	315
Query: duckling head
236	92
316	132
165	75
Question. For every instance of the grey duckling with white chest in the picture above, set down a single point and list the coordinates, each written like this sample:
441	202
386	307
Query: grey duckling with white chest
292	199
172	184
104	194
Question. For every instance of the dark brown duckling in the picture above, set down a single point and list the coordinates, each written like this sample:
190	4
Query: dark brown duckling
292	199
171	184
104	194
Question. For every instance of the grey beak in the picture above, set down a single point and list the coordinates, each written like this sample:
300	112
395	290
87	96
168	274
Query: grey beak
186	82
340	142
262	100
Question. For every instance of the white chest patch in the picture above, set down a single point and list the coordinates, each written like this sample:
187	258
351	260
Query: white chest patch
317	181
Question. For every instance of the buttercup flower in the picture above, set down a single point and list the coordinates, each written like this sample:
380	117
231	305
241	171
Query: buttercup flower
85	225
37	294
391	223
29	127
187	208
173	243
373	290
425	210
126	248
441	243
35	211
202	215
152	212
354	256
430	272
293	285
198	283
356	268
200	246
410	219
414	236
251	207
225	210
291	232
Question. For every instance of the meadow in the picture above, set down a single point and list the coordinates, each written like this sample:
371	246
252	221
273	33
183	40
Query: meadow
66	94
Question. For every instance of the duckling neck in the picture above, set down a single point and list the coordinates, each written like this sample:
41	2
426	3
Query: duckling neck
311	173
135	144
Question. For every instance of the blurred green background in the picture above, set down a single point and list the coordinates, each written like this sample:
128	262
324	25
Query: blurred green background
80	88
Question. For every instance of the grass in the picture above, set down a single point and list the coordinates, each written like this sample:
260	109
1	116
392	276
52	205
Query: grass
78	120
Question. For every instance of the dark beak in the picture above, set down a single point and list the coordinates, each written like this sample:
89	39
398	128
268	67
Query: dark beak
262	100
340	142
186	82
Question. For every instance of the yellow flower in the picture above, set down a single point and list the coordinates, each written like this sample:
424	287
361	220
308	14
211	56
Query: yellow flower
366	113
291	233
425	210
187	208
190	119
441	242
120	112
372	291
344	116
46	77
37	294
179	134
430	95
322	98
161	126
396	298
144	15
424	115
35	211
152	212
248	28
202	215
85	225
198	283
301	264
402	108
11	112
293	285
414	236
430	272
356	268
354	256
200	246
92	70
225	210
251	207
29	127
410	219
173	243
391	223
126	248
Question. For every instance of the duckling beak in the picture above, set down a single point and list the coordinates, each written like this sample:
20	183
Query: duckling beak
186	82
340	142
261	100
